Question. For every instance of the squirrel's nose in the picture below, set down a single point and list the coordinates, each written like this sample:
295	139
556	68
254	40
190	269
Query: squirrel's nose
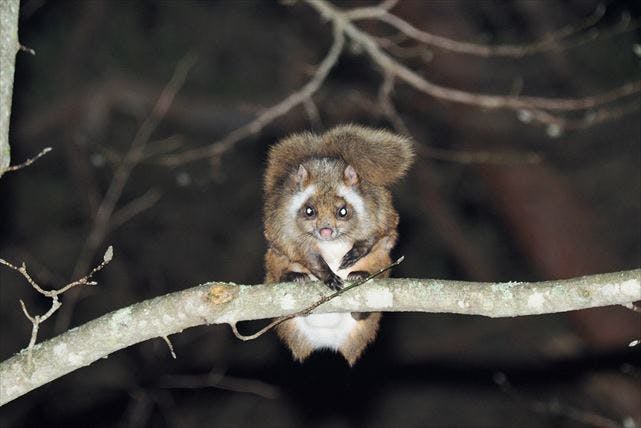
326	232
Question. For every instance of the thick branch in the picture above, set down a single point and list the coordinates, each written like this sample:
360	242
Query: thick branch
217	303
8	48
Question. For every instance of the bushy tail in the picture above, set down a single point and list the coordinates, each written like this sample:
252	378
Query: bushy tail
378	156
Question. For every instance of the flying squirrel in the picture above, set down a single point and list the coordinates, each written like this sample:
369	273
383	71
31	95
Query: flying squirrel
328	216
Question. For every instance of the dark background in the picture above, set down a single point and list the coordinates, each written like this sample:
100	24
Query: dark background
99	68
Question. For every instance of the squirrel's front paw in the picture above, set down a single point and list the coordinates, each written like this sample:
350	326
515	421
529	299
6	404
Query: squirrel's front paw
334	282
351	257
291	276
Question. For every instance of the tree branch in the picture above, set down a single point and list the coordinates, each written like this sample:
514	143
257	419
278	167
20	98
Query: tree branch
53	294
103	221
28	161
392	67
217	303
9	46
557	40
301	96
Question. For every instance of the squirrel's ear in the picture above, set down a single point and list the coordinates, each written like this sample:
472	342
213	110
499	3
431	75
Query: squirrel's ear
301	175
351	177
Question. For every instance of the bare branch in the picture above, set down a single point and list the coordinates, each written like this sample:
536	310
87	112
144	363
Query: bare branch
516	103
27	49
312	113
480	157
136	151
135	207
537	108
555	407
386	105
29	161
217	303
53	294
220	381
291	101
170	346
103	220
551	41
310	308
591	117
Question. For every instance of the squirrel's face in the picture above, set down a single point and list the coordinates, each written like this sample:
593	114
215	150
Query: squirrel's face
326	207
326	216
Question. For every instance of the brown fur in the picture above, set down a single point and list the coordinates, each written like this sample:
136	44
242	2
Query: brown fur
379	158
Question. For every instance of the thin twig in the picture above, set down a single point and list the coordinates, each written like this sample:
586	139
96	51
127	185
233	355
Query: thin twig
221	381
555	407
53	294
313	306
632	307
517	103
386	105
550	41
293	100
312	114
136	151
170	346
135	207
480	157
103	220
555	40
26	49
29	161
344	26
591	118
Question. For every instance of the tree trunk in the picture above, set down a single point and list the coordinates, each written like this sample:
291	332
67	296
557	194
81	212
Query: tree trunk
8	48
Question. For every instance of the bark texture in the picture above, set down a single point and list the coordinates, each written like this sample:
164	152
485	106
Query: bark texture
219	303
8	49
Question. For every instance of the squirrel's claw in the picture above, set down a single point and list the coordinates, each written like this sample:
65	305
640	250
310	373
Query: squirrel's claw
291	276
358	275
350	258
334	282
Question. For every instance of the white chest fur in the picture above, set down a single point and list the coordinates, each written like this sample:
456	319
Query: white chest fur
328	330
333	252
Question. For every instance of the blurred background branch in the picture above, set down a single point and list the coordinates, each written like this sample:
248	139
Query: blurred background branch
515	193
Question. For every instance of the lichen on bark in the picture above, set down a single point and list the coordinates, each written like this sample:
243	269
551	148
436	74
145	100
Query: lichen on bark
8	48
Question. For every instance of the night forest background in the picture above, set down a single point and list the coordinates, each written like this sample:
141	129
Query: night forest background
493	196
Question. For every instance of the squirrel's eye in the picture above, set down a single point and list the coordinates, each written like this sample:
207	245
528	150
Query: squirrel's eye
342	212
309	211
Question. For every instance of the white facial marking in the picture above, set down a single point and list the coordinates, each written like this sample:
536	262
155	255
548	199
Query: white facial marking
326	330
353	198
300	198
